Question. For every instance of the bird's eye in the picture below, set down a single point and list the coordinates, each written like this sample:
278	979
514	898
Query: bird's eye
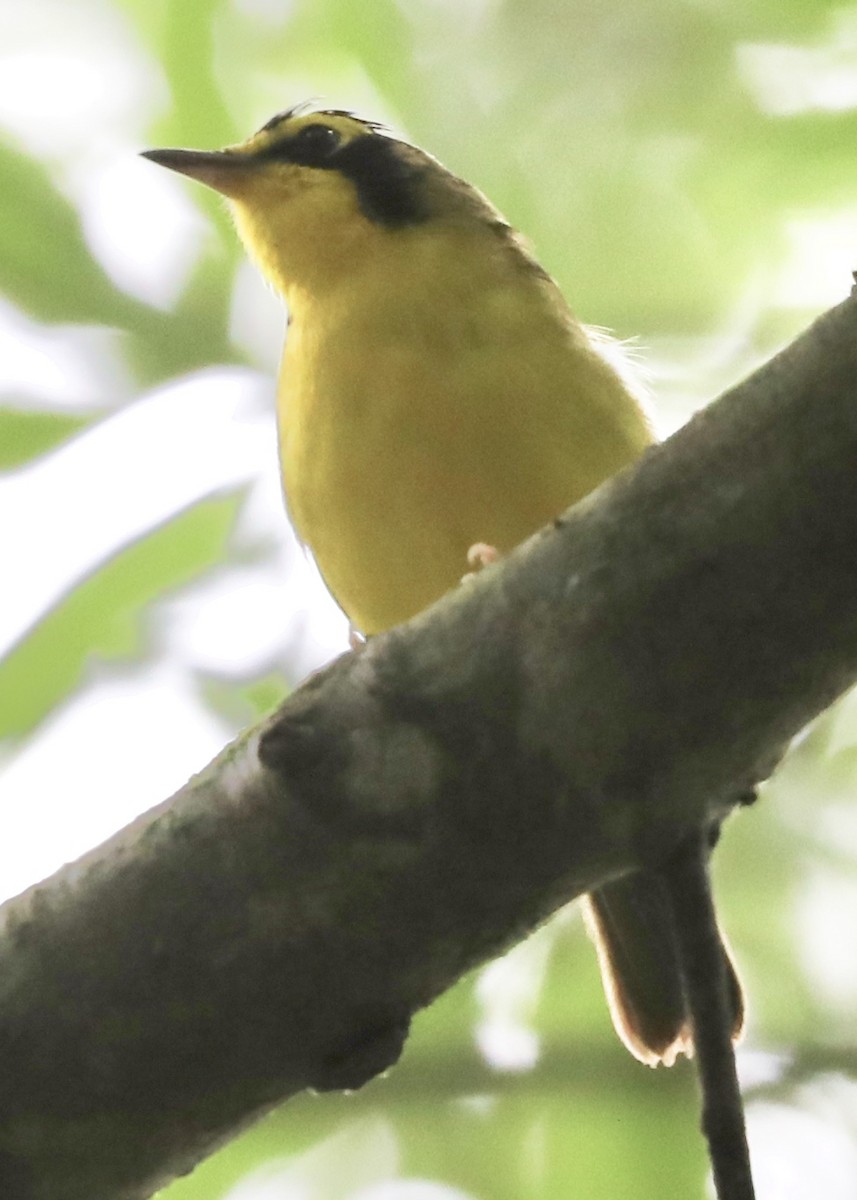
314	143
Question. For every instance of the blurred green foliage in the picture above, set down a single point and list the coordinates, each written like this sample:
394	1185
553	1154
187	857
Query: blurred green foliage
106	614
28	433
660	156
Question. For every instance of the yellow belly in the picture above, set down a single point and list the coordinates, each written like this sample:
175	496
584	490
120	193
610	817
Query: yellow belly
394	468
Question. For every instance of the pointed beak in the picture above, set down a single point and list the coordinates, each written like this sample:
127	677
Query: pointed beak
225	172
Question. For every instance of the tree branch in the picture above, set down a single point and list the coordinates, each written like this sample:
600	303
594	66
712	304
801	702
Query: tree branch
418	806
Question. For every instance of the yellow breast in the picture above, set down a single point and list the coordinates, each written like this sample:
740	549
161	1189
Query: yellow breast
459	405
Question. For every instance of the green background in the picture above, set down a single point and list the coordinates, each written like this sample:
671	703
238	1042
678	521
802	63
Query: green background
688	172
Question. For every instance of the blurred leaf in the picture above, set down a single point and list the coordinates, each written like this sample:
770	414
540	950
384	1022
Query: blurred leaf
45	264
182	35
47	269
188	58
25	433
388	62
105	615
243	703
196	333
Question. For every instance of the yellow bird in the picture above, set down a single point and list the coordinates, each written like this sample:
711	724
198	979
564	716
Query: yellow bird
436	392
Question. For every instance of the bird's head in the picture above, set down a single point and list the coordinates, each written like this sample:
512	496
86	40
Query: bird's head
313	192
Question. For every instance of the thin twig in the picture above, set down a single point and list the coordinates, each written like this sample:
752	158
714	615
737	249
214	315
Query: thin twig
701	957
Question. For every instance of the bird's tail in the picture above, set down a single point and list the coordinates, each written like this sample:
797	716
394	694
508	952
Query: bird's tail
630	922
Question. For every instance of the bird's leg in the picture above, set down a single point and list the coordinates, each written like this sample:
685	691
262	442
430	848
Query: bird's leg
712	1014
482	555
356	639
479	556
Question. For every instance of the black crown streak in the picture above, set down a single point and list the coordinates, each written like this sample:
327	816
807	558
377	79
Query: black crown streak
278	118
388	185
305	108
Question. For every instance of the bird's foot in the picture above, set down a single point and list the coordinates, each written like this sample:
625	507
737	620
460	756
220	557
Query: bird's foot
479	556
